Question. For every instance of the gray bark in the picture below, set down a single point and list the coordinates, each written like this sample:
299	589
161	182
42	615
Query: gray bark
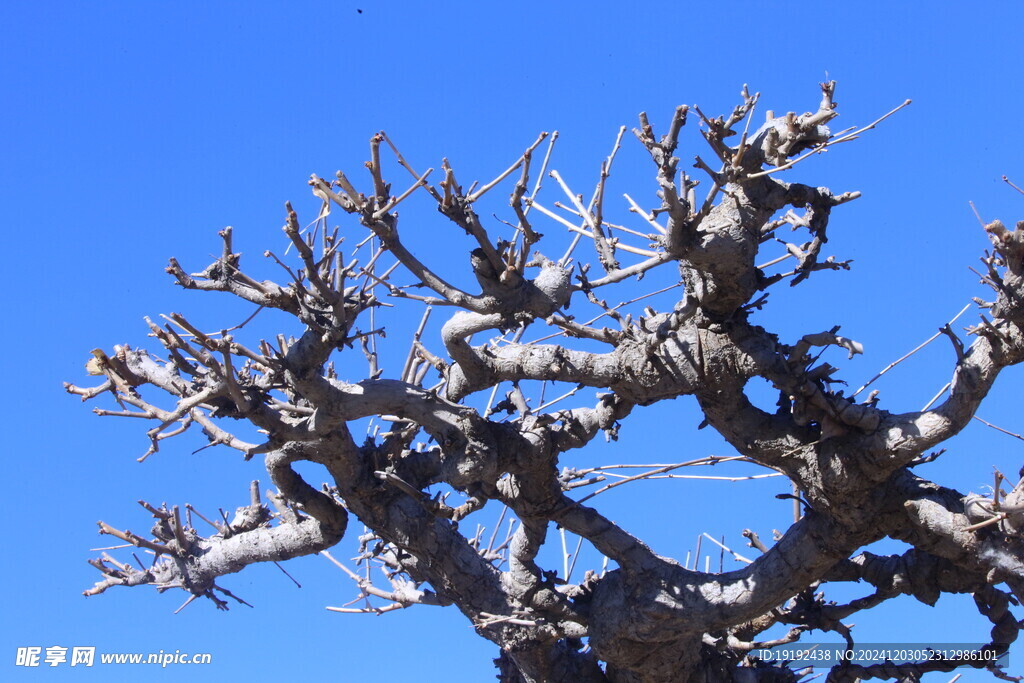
650	619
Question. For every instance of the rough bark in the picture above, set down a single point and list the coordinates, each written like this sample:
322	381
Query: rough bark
650	619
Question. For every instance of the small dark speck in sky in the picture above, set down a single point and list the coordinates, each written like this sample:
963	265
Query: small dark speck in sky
360	11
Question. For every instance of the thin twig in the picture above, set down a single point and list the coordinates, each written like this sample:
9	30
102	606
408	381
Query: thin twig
998	429
635	208
644	475
899	360
828	143
729	550
936	397
479	193
1010	183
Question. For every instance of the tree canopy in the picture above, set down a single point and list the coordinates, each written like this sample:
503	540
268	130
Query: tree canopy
518	353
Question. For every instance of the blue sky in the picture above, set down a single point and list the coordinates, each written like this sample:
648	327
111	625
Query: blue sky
134	131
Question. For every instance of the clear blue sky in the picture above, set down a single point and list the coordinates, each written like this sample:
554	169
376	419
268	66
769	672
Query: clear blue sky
134	131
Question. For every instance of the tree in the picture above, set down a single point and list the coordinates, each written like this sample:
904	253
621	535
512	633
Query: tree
648	618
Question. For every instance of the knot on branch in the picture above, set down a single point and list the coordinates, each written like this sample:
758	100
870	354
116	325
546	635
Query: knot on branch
115	367
1005	272
786	136
813	403
1004	513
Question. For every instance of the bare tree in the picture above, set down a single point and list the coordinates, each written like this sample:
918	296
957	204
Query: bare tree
644	617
